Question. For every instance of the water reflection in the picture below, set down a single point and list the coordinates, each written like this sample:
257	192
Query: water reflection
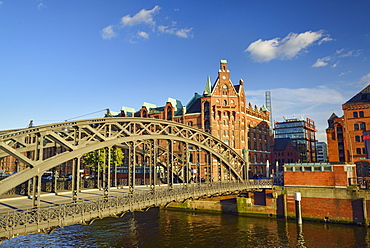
168	228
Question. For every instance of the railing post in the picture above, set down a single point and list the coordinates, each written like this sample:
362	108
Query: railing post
75	179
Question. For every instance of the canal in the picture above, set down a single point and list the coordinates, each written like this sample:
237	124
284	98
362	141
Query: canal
170	228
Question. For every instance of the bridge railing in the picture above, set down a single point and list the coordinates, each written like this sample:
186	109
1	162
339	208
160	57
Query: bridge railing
82	211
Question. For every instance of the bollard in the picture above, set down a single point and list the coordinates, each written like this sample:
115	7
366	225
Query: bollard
298	210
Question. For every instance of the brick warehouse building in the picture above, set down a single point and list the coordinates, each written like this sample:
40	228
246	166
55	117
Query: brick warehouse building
345	133
222	111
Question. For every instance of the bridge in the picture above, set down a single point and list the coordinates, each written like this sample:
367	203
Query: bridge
189	162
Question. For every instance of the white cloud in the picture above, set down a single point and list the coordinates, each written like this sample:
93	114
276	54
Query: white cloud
143	16
315	103
325	39
1	2
108	33
41	6
350	53
143	34
344	73
364	81
183	33
335	65
321	62
287	48
146	18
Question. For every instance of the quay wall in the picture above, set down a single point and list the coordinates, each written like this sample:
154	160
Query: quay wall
334	205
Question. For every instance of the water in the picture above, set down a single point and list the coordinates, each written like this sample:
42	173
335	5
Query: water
169	228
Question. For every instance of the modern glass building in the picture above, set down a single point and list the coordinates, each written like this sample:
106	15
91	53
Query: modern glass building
302	134
322	152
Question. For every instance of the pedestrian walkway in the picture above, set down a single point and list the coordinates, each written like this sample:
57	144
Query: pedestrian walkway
18	202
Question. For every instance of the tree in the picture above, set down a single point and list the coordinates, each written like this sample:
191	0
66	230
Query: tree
96	159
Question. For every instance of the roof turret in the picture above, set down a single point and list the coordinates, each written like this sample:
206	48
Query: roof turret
208	88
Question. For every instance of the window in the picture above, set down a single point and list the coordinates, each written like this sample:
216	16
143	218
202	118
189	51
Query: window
357	138
363	126
355	114
356	127
224	90
361	113
358	150
225	102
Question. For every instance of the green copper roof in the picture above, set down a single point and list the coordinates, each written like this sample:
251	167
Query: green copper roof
128	111
175	103
264	108
208	88
149	105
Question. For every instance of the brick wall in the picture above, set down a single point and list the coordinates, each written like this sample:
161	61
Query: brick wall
338	177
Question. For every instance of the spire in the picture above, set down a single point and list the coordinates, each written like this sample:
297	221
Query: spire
208	88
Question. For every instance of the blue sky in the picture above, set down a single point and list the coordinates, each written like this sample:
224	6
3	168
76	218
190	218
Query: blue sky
64	59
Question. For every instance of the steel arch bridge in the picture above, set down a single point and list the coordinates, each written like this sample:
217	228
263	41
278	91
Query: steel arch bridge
168	143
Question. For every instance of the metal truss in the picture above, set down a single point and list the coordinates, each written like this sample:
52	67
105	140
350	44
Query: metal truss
32	147
45	220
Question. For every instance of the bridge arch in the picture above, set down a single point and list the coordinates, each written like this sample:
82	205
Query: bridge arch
80	137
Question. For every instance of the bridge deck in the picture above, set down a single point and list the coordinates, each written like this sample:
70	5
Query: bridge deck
57	210
17	203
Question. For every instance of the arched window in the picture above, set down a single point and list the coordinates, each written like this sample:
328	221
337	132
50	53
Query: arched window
206	111
225	102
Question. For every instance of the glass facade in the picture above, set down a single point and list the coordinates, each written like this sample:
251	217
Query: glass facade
303	136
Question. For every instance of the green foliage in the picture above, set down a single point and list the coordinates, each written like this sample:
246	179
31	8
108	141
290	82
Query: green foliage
95	159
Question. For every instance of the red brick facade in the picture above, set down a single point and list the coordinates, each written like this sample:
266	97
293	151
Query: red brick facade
324	176
221	110
345	133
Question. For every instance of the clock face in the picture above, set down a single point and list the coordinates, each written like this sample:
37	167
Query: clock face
223	77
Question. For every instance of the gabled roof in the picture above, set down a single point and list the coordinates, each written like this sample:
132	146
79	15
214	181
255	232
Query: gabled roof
281	144
362	96
237	88
333	116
